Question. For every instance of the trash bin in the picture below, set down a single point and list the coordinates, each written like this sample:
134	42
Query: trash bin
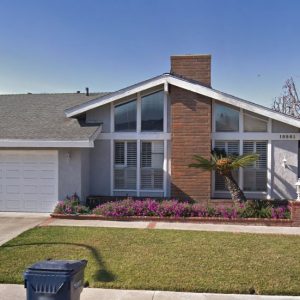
55	279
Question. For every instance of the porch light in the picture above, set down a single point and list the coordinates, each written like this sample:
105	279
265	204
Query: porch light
284	163
298	189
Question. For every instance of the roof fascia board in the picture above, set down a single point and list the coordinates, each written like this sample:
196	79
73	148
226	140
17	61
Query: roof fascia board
46	143
182	83
199	89
73	111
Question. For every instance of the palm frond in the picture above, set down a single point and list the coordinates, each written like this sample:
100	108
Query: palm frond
244	160
202	163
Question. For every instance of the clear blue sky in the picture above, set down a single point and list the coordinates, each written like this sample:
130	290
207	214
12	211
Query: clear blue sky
66	45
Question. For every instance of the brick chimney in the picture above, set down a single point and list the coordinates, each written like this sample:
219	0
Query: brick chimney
193	67
190	129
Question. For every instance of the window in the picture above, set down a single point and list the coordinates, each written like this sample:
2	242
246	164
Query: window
226	118
255	176
125	116
152	159
125	165
153	112
230	147
254	122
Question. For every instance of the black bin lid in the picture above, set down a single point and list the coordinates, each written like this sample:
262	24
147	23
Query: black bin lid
59	265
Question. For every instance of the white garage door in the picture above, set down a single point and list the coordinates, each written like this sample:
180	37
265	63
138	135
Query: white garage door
28	180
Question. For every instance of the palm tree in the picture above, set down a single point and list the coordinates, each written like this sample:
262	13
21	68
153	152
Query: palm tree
224	164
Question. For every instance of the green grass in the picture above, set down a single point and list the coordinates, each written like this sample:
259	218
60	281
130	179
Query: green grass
163	259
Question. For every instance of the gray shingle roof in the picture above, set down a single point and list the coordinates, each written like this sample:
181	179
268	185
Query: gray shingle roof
41	117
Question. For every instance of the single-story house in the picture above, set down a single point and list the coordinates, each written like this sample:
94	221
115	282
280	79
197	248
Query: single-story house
138	141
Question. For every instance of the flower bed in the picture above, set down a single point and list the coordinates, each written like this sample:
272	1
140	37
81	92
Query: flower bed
173	209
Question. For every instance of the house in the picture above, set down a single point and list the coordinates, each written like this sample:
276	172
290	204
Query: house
138	141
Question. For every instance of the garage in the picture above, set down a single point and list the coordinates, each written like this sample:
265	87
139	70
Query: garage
28	180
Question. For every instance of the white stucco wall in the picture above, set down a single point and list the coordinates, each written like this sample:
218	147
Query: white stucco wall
85	173
69	172
284	179
100	114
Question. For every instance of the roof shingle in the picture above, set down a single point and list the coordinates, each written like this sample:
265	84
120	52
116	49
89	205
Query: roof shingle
41	117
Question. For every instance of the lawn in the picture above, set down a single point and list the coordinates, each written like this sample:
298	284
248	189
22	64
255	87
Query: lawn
163	259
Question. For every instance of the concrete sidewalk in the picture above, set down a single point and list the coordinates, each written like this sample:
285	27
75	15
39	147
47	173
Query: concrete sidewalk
177	226
12	291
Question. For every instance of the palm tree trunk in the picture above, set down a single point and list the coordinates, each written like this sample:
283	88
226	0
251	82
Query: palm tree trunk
234	189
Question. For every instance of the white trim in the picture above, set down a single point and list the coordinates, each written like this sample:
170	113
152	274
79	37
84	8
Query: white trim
139	113
96	133
269	169
135	136
213	174
138	167
73	111
229	99
241	170
112	117
193	87
165	126
241	120
165	167
112	165
255	136
213	117
46	143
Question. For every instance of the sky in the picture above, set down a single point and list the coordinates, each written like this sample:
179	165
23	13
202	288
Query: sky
49	46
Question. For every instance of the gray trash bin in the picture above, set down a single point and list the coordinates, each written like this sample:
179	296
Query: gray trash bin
55	279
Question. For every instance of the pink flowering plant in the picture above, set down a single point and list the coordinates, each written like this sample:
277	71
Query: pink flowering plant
174	208
70	206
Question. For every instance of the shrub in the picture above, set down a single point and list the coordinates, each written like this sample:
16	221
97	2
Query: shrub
71	205
174	208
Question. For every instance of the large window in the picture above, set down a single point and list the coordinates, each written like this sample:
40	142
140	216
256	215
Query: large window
152	159
125	116
226	118
151	163
153	112
255	176
232	148
125	165
254	122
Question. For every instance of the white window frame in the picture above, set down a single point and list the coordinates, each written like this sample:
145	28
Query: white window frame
139	136
241	136
121	165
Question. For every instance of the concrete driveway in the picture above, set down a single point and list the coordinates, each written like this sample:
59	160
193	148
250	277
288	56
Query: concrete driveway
13	224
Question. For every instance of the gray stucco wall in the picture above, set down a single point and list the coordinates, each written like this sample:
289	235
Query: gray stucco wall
100	114
284	179
69	172
85	173
100	168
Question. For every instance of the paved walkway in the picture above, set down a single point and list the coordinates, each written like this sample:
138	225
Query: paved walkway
13	224
177	226
12	291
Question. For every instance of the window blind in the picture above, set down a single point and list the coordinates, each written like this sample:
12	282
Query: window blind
125	165
232	148
152	156
255	176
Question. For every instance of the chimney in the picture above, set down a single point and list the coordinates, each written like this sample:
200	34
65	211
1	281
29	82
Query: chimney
87	92
192	67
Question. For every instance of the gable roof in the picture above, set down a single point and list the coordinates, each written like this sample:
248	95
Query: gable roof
185	84
41	118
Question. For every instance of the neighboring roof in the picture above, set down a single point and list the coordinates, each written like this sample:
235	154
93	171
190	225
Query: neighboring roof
185	84
41	118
